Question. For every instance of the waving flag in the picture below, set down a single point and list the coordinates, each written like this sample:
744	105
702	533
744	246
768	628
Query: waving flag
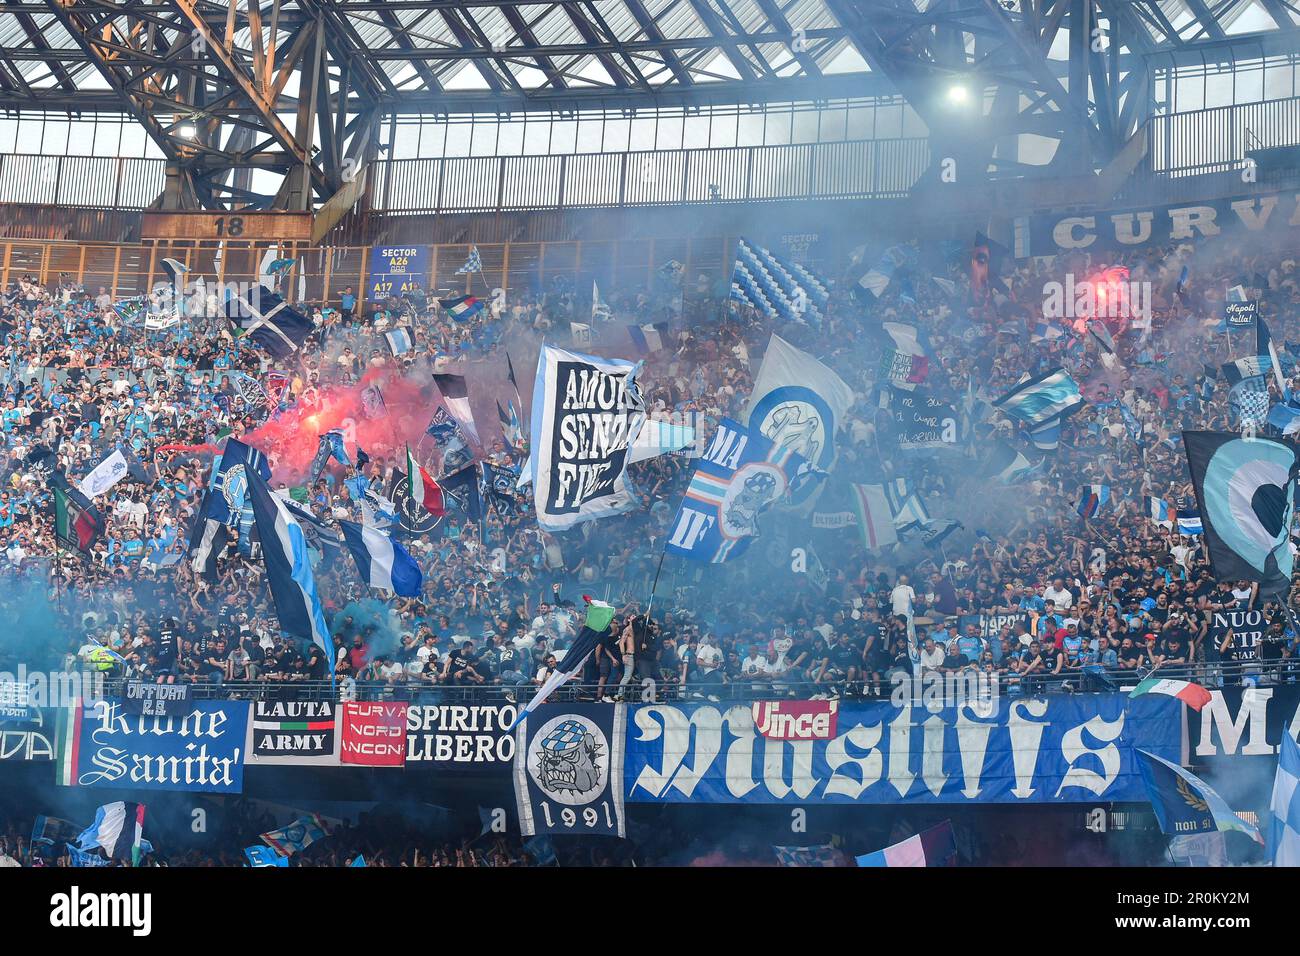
777	288
298	835
1184	803
1189	523
462	307
1157	509
649	338
1094	497
1284	808
1193	695
462	487
119	831
599	616
105	475
499	483
875	521
399	340
1245	492
288	568
738	477
599	310
268	321
77	522
511	430
1038	400
799	404
455	393
473	264
424	491
933	847
384	564
877	279
907	362
264	856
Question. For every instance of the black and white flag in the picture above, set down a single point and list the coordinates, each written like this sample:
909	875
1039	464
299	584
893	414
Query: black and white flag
569	770
586	415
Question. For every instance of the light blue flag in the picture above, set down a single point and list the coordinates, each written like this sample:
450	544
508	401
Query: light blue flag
264	856
383	563
1284	808
359	861
288	568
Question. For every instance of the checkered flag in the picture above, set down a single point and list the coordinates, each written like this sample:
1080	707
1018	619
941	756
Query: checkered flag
472	264
1248	402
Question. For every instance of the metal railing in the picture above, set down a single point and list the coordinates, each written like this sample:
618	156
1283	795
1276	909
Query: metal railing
854	169
1073	681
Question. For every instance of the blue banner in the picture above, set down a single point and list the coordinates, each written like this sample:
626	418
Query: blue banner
1021	750
395	270
201	751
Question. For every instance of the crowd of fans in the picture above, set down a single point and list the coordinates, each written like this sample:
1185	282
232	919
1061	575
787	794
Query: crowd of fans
1112	594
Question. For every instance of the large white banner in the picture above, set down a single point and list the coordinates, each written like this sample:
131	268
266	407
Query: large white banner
105	475
799	404
586	414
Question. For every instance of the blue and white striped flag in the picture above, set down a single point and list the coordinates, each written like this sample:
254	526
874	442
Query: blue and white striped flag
776	287
288	568
1157	509
1284	808
1046	437
399	340
1189	523
383	563
472	264
1038	400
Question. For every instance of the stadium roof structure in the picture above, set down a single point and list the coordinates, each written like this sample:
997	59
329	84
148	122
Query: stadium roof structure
301	85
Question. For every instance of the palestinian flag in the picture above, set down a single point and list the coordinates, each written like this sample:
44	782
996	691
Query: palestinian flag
77	522
599	614
1193	695
425	492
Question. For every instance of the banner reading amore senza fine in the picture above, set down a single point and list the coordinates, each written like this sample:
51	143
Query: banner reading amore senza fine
1024	750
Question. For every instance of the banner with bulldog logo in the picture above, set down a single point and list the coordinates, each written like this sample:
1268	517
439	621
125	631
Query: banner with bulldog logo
569	770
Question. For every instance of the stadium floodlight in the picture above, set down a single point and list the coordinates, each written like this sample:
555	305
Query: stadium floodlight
186	131
957	94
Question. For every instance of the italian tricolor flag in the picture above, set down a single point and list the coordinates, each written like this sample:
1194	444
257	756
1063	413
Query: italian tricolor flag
1193	695
77	523
424	490
67	744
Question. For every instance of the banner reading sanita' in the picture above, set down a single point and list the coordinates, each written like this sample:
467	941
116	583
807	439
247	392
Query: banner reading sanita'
586	413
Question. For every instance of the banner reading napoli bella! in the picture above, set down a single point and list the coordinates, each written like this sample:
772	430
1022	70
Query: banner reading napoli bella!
104	745
586	412
1026	750
569	769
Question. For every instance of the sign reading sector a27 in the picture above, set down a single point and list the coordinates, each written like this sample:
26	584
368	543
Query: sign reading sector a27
1029	750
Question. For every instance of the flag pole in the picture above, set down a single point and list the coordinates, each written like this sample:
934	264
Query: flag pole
655	586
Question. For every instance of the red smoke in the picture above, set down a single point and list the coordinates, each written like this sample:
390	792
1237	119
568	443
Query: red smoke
290	440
